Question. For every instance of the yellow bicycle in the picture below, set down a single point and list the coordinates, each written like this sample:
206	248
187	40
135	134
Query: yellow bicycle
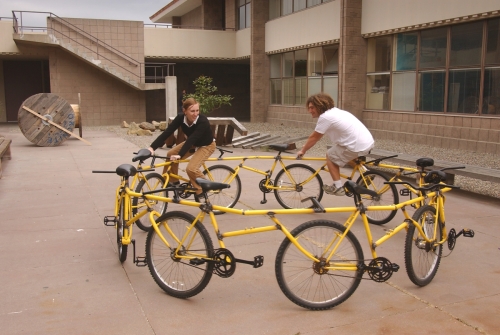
318	265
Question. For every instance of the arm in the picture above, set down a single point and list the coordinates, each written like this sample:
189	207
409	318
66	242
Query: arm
172	127
311	141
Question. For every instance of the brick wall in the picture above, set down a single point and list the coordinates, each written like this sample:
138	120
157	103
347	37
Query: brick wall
446	131
104	99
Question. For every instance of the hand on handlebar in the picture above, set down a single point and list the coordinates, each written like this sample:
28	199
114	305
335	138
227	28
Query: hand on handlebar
175	158
300	154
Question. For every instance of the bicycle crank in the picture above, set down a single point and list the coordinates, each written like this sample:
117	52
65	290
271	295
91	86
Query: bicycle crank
381	269
452	236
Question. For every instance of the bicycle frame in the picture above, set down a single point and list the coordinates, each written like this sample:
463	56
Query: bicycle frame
280	226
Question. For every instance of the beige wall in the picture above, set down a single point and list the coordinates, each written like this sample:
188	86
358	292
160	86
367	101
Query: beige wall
7	44
243	43
379	15
105	100
312	25
189	43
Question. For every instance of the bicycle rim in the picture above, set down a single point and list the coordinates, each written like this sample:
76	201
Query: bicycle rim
387	195
289	192
120	230
299	277
421	259
227	197
153	181
177	276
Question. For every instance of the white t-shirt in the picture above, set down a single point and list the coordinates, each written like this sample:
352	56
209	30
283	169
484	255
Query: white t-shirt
344	129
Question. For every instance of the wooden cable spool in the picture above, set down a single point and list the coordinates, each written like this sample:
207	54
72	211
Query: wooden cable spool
48	120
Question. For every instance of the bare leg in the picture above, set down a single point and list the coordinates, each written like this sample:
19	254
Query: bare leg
334	169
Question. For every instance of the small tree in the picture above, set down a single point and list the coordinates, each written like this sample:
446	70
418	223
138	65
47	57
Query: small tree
205	95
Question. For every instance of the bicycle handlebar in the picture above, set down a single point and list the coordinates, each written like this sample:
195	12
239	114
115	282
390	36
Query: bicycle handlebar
422	188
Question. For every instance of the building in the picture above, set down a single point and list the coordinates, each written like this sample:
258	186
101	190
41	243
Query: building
422	71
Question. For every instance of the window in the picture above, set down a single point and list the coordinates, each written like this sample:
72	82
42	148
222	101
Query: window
491	93
279	8
378	76
296	75
493	42
466	43
431	91
433	48
244	12
463	91
403	92
406	51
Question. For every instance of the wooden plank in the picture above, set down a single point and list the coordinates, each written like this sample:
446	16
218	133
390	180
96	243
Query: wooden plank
220	139
229	135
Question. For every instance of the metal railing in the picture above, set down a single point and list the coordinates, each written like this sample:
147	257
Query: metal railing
171	26
144	68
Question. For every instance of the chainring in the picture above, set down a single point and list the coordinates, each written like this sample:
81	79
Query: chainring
185	194
225	264
452	239
380	269
262	185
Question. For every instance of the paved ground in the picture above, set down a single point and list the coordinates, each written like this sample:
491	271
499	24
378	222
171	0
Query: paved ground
60	272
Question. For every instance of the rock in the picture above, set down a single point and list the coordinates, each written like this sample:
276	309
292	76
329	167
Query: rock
125	124
144	132
156	124
133	128
163	125
147	126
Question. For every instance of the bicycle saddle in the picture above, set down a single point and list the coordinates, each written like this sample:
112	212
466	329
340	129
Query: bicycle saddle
278	147
126	170
207	185
358	189
435	177
142	155
425	162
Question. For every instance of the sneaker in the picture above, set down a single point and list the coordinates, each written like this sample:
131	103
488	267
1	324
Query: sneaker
333	190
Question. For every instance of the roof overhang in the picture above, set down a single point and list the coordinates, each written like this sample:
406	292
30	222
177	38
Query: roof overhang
174	8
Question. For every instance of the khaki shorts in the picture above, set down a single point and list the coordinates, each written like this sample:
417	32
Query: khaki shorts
340	155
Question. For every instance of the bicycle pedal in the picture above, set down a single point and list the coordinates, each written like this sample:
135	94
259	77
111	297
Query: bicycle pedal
404	192
110	221
468	232
394	267
258	261
140	261
196	261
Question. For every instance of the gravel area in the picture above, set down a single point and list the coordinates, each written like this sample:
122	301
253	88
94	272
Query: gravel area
453	155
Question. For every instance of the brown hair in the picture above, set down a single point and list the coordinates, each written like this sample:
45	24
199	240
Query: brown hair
188	103
321	101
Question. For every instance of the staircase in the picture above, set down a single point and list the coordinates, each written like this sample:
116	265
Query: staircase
83	45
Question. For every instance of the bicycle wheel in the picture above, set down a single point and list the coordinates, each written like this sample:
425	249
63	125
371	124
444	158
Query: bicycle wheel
299	277
292	198
227	197
422	259
374	181
153	181
120	230
179	277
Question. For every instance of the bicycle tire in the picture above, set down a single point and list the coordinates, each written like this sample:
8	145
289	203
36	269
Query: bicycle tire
296	273
389	197
176	276
120	229
293	199
227	197
154	181
421	260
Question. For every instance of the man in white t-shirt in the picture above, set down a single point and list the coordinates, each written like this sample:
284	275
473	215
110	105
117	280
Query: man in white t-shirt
350	138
